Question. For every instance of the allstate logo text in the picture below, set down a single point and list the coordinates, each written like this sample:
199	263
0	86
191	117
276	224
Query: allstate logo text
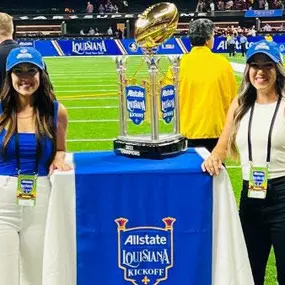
89	47
145	253
136	106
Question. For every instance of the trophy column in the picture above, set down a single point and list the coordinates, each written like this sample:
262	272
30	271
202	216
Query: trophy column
175	61
121	70
153	71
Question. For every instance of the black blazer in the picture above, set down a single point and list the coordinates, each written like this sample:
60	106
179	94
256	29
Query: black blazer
5	48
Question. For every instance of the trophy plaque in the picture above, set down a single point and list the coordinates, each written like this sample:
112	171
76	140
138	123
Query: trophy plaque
149	109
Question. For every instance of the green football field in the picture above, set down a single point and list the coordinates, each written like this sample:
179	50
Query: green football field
88	88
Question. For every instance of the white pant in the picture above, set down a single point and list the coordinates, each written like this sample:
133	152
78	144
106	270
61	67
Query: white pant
22	234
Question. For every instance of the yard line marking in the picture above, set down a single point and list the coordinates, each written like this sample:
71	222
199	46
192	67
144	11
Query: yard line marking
88	75
90	140
238	67
91	107
80	98
233	166
79	85
94	121
80	90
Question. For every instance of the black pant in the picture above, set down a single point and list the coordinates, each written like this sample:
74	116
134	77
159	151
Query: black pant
243	49
209	144
231	49
263	223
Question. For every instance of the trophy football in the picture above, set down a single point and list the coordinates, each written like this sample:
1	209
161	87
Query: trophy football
149	110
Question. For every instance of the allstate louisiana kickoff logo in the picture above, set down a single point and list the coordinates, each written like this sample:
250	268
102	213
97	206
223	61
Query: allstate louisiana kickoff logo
167	99
27	185
145	253
136	106
258	177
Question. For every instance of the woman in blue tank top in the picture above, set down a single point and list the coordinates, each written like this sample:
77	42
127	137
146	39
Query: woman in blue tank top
32	131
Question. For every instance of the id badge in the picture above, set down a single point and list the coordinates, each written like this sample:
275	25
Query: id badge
258	179
27	190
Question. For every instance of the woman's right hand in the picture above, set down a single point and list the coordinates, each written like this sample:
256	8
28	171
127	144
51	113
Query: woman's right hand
213	165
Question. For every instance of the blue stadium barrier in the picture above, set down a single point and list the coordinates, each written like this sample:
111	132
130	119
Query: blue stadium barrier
97	47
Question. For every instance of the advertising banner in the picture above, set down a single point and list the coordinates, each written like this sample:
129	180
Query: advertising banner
115	47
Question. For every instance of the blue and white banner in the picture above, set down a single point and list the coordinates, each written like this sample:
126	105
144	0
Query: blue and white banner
116	220
98	47
263	13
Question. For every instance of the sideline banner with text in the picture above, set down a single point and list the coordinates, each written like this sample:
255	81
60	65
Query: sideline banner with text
109	47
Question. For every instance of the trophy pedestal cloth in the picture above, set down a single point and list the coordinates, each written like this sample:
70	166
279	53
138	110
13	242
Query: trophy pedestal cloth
149	111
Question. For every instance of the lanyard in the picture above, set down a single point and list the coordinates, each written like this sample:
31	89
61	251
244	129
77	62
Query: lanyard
269	133
17	149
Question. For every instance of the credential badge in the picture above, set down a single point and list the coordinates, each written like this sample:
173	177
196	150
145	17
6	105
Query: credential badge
145	253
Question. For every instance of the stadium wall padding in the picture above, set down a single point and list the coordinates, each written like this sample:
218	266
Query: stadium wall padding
115	47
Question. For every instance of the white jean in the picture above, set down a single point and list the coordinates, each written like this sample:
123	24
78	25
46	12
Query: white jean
22	232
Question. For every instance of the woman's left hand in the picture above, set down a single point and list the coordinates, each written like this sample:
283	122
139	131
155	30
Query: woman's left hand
60	165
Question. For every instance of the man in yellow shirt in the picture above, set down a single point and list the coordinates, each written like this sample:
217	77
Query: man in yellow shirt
207	87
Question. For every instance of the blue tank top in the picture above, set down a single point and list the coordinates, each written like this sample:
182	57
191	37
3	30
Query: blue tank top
28	148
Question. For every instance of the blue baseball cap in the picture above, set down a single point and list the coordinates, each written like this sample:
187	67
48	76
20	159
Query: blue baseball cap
271	49
24	55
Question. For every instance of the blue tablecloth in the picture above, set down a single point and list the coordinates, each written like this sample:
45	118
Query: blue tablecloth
143	221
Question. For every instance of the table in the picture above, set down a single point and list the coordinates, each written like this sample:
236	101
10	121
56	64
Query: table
117	220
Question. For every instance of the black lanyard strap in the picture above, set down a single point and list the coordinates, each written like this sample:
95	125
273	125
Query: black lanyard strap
269	133
17	149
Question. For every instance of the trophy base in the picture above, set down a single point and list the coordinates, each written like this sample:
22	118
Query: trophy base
152	150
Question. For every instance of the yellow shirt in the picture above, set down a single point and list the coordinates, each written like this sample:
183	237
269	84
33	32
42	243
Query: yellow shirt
207	87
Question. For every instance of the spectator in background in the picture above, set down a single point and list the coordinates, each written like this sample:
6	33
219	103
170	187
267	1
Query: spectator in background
267	28
232	45
243	41
110	31
91	31
212	7
89	8
6	43
266	5
201	6
82	32
125	6
229	5
261	4
240	5
221	5
101	9
207	87
252	32
116	9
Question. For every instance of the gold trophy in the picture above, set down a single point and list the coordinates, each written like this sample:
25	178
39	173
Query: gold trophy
152	102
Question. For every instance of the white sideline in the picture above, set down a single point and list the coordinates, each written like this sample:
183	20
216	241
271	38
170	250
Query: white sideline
238	67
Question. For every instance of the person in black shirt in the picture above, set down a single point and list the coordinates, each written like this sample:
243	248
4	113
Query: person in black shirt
6	43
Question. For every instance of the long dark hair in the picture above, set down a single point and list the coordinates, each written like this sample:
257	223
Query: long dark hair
44	99
246	98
